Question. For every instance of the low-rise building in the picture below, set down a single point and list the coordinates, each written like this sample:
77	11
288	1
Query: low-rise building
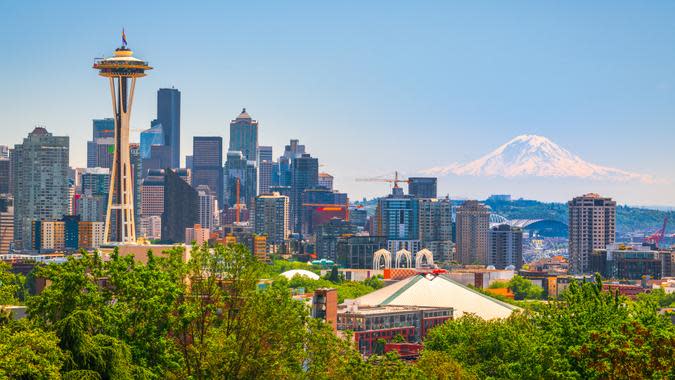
372	323
626	261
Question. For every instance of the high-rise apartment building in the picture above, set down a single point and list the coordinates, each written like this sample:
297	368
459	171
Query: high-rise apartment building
305	175
244	136
168	115
473	223
207	164
152	194
4	151
397	219
181	207
40	181
272	217
435	226
422	187
592	225
266	169
505	247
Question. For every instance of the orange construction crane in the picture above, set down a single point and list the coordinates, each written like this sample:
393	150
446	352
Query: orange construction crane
394	180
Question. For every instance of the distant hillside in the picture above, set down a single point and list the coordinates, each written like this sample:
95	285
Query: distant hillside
628	219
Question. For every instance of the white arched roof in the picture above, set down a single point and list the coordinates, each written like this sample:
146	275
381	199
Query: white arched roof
293	272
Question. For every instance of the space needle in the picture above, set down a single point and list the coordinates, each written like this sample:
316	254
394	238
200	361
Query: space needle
122	70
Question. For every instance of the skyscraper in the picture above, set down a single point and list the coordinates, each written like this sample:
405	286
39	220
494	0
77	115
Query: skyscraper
244	136
4	175
272	217
237	167
305	175
435	224
40	182
100	152
168	115
207	164
151	136
181	208
326	181
6	222
102	145
93	198
208	207
265	176
103	128
422	187
328	234
397	218
505	247
265	153
320	205
473	223
122	71
592	225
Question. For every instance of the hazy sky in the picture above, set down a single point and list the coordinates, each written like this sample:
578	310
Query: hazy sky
369	87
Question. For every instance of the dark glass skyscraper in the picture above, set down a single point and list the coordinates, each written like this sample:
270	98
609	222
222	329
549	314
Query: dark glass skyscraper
181	208
244	136
207	164
168	114
305	175
422	187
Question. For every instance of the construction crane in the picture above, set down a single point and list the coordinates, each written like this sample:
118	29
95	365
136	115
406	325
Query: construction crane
394	180
657	236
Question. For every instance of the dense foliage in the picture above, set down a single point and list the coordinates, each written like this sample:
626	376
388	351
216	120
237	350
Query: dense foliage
206	319
589	334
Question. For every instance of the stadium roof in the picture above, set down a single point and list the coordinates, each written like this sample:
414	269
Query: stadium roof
438	291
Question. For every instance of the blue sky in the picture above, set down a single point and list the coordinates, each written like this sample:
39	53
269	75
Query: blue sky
369	87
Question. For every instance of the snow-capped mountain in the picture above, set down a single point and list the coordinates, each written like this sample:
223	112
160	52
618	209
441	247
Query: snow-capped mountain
536	156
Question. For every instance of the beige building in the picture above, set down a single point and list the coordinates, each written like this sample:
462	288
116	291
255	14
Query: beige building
592	225
473	223
90	234
48	235
6	223
196	234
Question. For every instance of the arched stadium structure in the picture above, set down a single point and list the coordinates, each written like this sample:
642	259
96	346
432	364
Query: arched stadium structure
541	227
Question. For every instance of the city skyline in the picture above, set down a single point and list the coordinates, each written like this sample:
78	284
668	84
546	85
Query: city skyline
343	82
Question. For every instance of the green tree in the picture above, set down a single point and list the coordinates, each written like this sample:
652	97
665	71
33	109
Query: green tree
523	288
29	353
